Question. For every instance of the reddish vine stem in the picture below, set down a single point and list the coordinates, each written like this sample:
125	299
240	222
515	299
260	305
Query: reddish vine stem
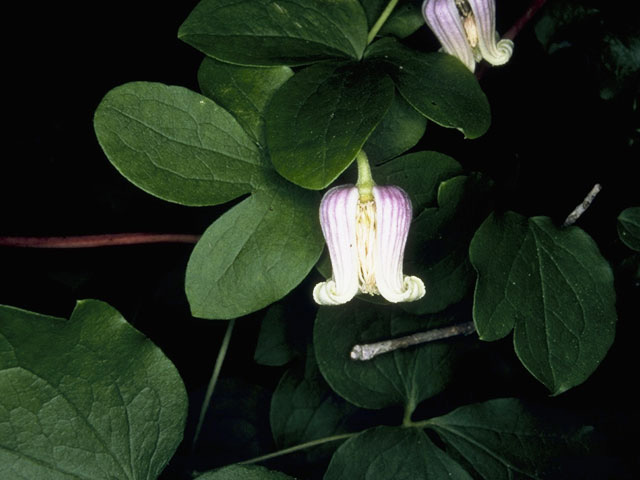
524	19
91	241
514	30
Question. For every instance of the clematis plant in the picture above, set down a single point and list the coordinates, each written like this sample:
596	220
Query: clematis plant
467	30
366	227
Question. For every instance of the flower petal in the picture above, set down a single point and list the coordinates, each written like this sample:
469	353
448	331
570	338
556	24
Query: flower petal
393	218
498	53
338	211
444	20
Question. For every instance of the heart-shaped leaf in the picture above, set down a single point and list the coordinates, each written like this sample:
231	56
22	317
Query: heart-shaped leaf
393	453
88	397
504	439
551	287
286	32
319	120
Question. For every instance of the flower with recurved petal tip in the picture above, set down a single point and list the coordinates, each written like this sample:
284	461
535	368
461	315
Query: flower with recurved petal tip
467	30
366	235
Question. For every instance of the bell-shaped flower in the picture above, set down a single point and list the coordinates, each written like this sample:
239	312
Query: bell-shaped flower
467	30
366	240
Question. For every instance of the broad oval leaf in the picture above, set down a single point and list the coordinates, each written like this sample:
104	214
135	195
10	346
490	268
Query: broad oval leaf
242	91
629	227
274	347
552	287
397	453
283	32
400	129
255	253
177	145
403	377
504	439
437	85
304	408
318	121
88	397
244	472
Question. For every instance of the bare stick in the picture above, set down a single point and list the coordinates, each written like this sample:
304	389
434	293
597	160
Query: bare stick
89	241
371	350
580	209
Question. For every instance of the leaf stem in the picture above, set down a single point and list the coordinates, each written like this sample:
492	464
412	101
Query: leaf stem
91	241
214	379
365	181
300	446
368	351
381	19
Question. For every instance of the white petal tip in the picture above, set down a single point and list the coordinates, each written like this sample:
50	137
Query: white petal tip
325	293
413	289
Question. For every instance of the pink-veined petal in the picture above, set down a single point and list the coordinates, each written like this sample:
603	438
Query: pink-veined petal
493	51
393	218
444	20
338	211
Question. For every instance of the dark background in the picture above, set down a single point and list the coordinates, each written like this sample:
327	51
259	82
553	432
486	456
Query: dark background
552	138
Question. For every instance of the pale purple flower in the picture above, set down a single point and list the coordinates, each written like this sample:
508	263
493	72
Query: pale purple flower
366	241
467	30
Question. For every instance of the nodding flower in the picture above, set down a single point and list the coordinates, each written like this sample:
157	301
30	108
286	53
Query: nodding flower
366	227
467	30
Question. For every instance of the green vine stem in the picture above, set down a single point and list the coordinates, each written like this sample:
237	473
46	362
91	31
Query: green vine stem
299	447
380	22
214	379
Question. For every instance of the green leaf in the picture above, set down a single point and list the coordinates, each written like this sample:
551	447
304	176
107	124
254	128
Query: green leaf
437	85
552	287
242	91
88	397
286	32
420	175
403	377
273	348
629	227
397	453
442	227
244	472
405	20
303	407
504	439
320	119
400	129
254	254
177	145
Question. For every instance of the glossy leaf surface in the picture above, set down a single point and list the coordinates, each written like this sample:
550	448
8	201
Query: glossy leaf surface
320	119
178	145
437	85
88	397
286	32
254	254
404	377
551	287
